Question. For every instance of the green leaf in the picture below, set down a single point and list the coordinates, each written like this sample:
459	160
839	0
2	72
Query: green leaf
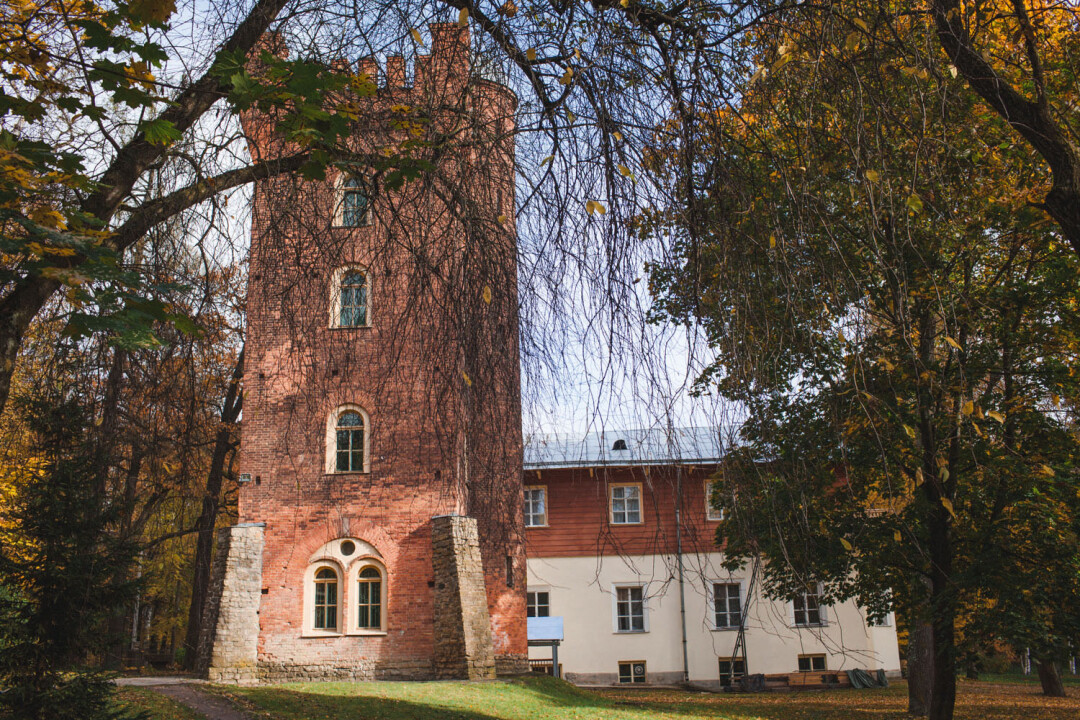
160	132
914	202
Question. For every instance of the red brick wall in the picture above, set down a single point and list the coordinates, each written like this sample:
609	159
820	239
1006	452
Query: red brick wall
437	372
579	519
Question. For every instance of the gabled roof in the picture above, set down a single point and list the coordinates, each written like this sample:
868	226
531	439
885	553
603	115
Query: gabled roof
658	446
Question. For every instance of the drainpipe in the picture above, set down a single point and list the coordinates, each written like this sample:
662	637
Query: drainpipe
679	556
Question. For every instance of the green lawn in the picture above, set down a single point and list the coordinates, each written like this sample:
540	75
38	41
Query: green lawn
548	699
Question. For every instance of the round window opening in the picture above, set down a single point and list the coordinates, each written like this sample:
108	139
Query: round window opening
348	547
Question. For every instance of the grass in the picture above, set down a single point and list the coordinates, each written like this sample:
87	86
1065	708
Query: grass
1022	679
544	698
155	705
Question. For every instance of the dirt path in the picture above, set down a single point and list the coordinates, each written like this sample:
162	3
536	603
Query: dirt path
186	691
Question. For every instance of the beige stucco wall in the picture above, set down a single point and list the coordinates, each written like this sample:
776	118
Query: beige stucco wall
581	592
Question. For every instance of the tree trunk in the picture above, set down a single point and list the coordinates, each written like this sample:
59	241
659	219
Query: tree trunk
204	546
1050	677
920	666
943	618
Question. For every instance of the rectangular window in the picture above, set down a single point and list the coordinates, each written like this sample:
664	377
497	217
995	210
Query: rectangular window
537	604
625	504
727	605
631	672
711	511
354	202
535	506
808	612
731	671
811	663
630	609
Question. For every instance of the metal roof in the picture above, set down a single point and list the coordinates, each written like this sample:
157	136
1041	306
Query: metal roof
657	446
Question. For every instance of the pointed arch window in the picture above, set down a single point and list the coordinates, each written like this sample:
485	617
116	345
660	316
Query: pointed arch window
350	442
326	599
369	599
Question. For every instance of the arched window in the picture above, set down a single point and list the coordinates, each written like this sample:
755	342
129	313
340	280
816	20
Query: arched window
326	599
352	299
354	202
350	442
369	599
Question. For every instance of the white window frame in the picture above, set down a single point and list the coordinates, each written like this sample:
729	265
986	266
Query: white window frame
353	596
308	628
644	587
543	499
611	503
339	200
713	599
823	616
331	440
335	296
534	590
888	621
711	513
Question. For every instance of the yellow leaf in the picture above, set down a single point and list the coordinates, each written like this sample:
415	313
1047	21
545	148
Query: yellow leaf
487	294
872	175
601	209
919	476
897	536
911	432
501	219
617	135
841	337
530	54
862	24
1056	399
996	415
968	408
463	17
851	42
546	160
1047	470
846	544
952	70
509	9
976	429
625	3
758	75
590	207
947	504
772	244
566	77
952	342
416	36
625	170
914	202
468	380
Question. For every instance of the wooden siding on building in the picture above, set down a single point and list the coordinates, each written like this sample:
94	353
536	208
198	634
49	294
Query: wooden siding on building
578	512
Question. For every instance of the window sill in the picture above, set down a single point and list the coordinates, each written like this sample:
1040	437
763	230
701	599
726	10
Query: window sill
308	634
629	632
626	524
810	626
337	473
366	633
533	527
350	327
730	628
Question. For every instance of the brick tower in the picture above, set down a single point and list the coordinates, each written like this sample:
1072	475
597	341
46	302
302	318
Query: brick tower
380	530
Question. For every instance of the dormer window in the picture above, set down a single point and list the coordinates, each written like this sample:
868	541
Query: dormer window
620	444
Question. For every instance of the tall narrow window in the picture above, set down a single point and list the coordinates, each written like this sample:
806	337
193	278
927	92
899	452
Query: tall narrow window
535	506
629	609
728	611
354	202
350	442
353	299
326	602
625	504
369	599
